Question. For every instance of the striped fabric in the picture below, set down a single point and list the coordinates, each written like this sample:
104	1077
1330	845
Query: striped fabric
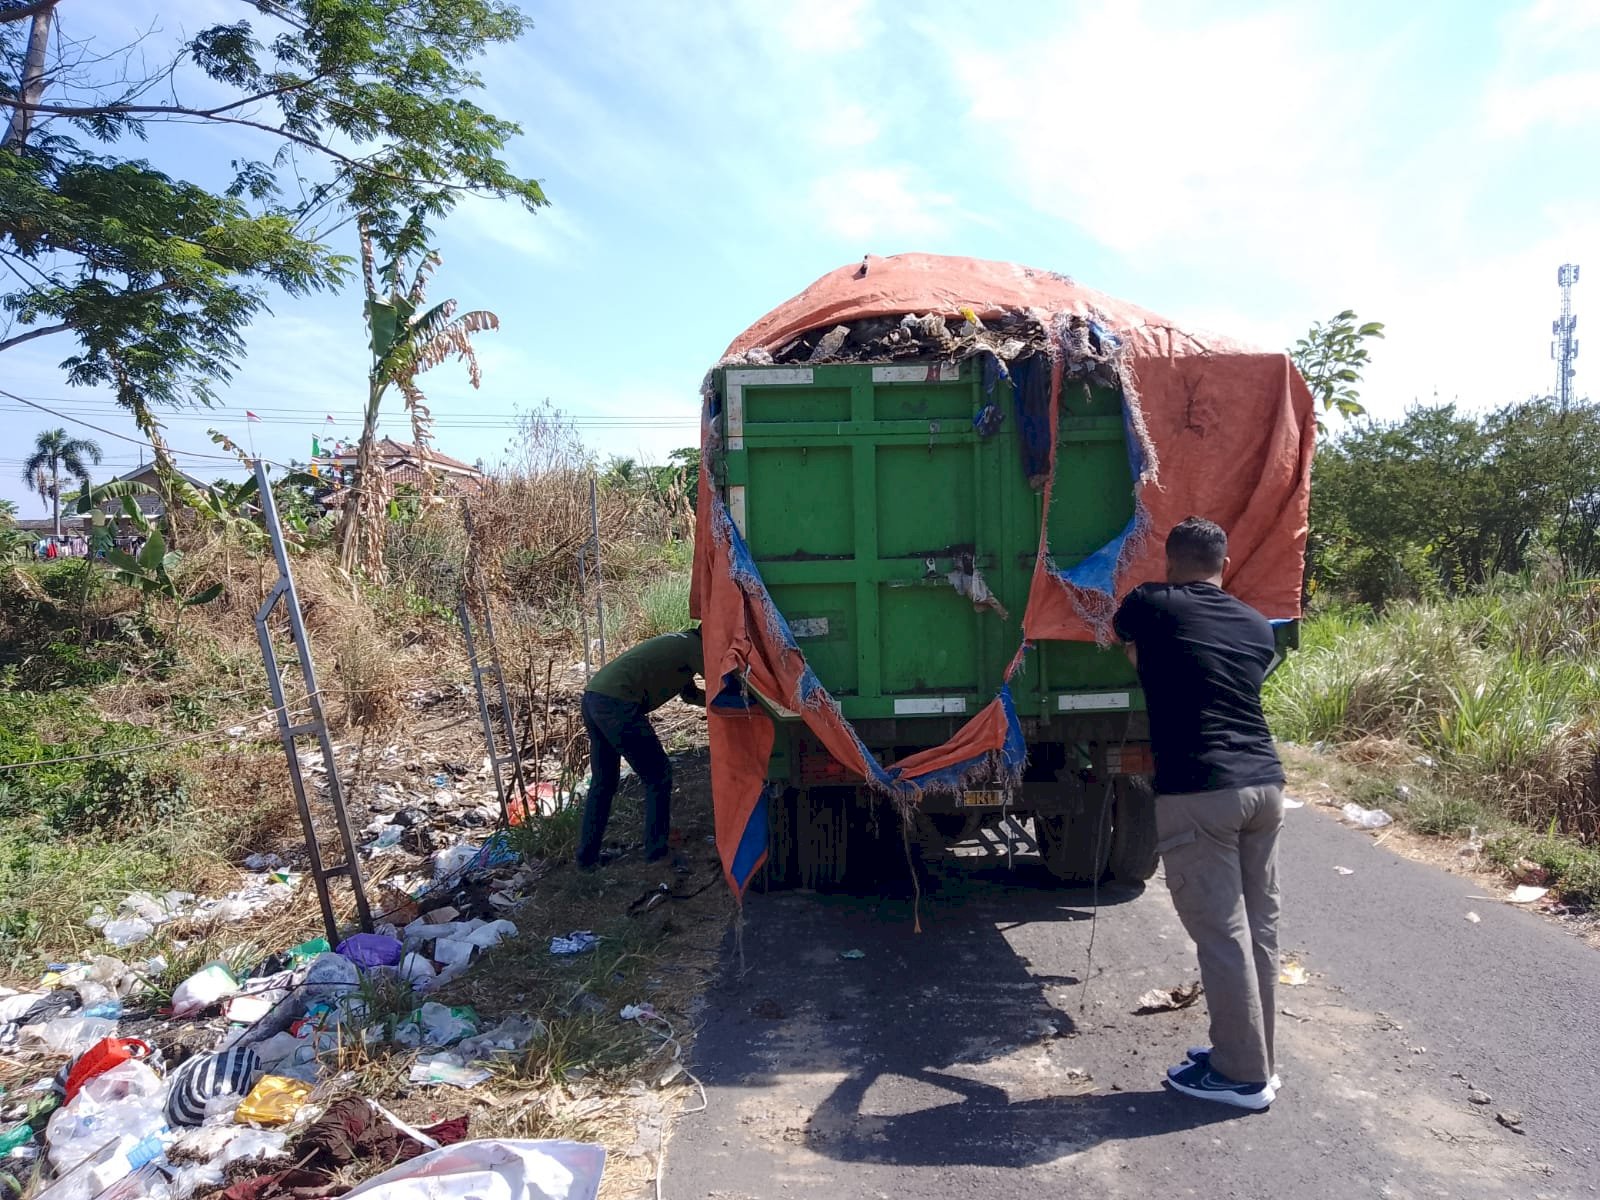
204	1078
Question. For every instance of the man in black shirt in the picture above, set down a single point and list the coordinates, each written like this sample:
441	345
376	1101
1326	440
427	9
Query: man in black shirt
1202	656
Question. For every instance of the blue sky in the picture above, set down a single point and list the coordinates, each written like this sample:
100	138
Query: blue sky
1242	167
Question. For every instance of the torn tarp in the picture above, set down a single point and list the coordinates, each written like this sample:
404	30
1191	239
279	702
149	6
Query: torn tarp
1212	427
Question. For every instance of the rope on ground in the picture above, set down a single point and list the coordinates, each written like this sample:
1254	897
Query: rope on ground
1094	914
670	1038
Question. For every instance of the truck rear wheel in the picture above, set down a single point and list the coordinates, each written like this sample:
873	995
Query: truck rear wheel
1133	830
1076	845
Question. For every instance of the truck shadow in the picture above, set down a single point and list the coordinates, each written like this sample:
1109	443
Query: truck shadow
952	1047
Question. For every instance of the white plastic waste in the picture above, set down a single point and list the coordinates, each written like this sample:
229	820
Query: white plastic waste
1366	818
13	1006
127	931
70	1035
415	969
453	859
115	1123
451	952
214	1147
447	1069
330	977
513	1033
208	985
434	1025
494	1169
491	934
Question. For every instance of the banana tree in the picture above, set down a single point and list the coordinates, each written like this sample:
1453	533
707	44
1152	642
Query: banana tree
151	570
406	340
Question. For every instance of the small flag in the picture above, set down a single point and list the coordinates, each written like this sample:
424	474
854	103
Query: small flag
316	471
330	419
316	448
250	416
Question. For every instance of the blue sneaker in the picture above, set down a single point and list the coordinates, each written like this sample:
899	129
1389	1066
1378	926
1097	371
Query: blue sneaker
1201	1082
1202	1054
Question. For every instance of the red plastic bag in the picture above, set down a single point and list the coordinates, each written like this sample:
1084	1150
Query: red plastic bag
100	1058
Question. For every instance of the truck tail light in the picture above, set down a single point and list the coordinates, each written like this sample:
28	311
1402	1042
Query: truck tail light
1134	758
814	765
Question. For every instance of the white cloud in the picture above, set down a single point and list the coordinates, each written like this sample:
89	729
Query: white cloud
549	233
1568	100
892	203
821	26
1546	76
1158	136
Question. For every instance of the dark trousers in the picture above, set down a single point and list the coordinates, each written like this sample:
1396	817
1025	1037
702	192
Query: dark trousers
619	729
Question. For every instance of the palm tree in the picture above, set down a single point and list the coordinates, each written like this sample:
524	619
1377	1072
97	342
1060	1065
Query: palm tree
406	340
56	453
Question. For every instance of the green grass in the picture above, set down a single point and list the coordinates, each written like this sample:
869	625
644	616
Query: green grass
664	605
553	837
1494	699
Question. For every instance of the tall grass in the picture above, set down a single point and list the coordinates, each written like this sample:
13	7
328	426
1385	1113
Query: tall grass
1501	690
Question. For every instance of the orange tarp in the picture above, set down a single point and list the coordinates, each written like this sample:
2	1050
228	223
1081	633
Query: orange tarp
1224	431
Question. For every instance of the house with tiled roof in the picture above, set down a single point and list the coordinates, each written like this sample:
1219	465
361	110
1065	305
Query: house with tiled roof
402	464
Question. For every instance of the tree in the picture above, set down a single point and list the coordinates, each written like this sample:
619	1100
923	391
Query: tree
54	452
358	106
1443	502
1331	359
406	340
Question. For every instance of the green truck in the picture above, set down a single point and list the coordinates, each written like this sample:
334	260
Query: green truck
869	500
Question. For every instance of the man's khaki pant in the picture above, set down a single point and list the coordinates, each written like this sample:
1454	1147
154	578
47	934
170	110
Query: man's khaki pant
1220	851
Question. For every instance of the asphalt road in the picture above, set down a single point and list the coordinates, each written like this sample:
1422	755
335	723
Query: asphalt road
971	1060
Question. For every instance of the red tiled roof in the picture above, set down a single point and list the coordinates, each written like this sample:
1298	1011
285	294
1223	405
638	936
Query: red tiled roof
393	454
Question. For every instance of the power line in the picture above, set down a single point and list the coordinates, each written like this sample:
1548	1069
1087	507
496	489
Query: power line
277	414
111	432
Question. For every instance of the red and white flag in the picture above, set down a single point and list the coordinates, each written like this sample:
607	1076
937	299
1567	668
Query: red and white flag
250	416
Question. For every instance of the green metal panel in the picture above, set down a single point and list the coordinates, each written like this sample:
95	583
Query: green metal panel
858	498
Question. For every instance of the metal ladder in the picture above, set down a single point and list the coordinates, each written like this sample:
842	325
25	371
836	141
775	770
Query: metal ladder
283	591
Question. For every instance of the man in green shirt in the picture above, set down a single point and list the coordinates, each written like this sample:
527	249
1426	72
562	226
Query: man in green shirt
615	712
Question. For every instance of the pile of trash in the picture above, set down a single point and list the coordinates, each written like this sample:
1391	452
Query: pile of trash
1003	341
139	1104
269	1080
141	914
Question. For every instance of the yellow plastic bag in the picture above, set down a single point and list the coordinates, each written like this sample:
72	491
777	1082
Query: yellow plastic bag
273	1101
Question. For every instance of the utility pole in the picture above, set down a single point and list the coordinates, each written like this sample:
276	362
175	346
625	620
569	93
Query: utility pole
1564	349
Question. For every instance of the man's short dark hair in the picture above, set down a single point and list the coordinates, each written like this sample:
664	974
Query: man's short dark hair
1198	544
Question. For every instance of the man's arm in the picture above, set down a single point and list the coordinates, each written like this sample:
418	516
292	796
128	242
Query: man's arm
1128	623
692	694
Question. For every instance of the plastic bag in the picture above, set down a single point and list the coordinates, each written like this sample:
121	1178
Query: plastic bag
71	1035
121	1105
494	1169
513	1033
1366	818
211	983
273	1101
371	950
103	1056
447	1069
491	934
435	1025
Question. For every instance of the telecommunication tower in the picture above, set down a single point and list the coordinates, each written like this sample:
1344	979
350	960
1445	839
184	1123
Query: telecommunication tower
1564	349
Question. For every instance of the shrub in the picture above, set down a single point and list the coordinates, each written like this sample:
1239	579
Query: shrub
121	796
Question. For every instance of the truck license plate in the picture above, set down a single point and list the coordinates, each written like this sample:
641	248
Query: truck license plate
986	798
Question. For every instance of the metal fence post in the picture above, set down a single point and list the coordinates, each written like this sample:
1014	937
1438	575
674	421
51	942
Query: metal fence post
473	588
599	579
